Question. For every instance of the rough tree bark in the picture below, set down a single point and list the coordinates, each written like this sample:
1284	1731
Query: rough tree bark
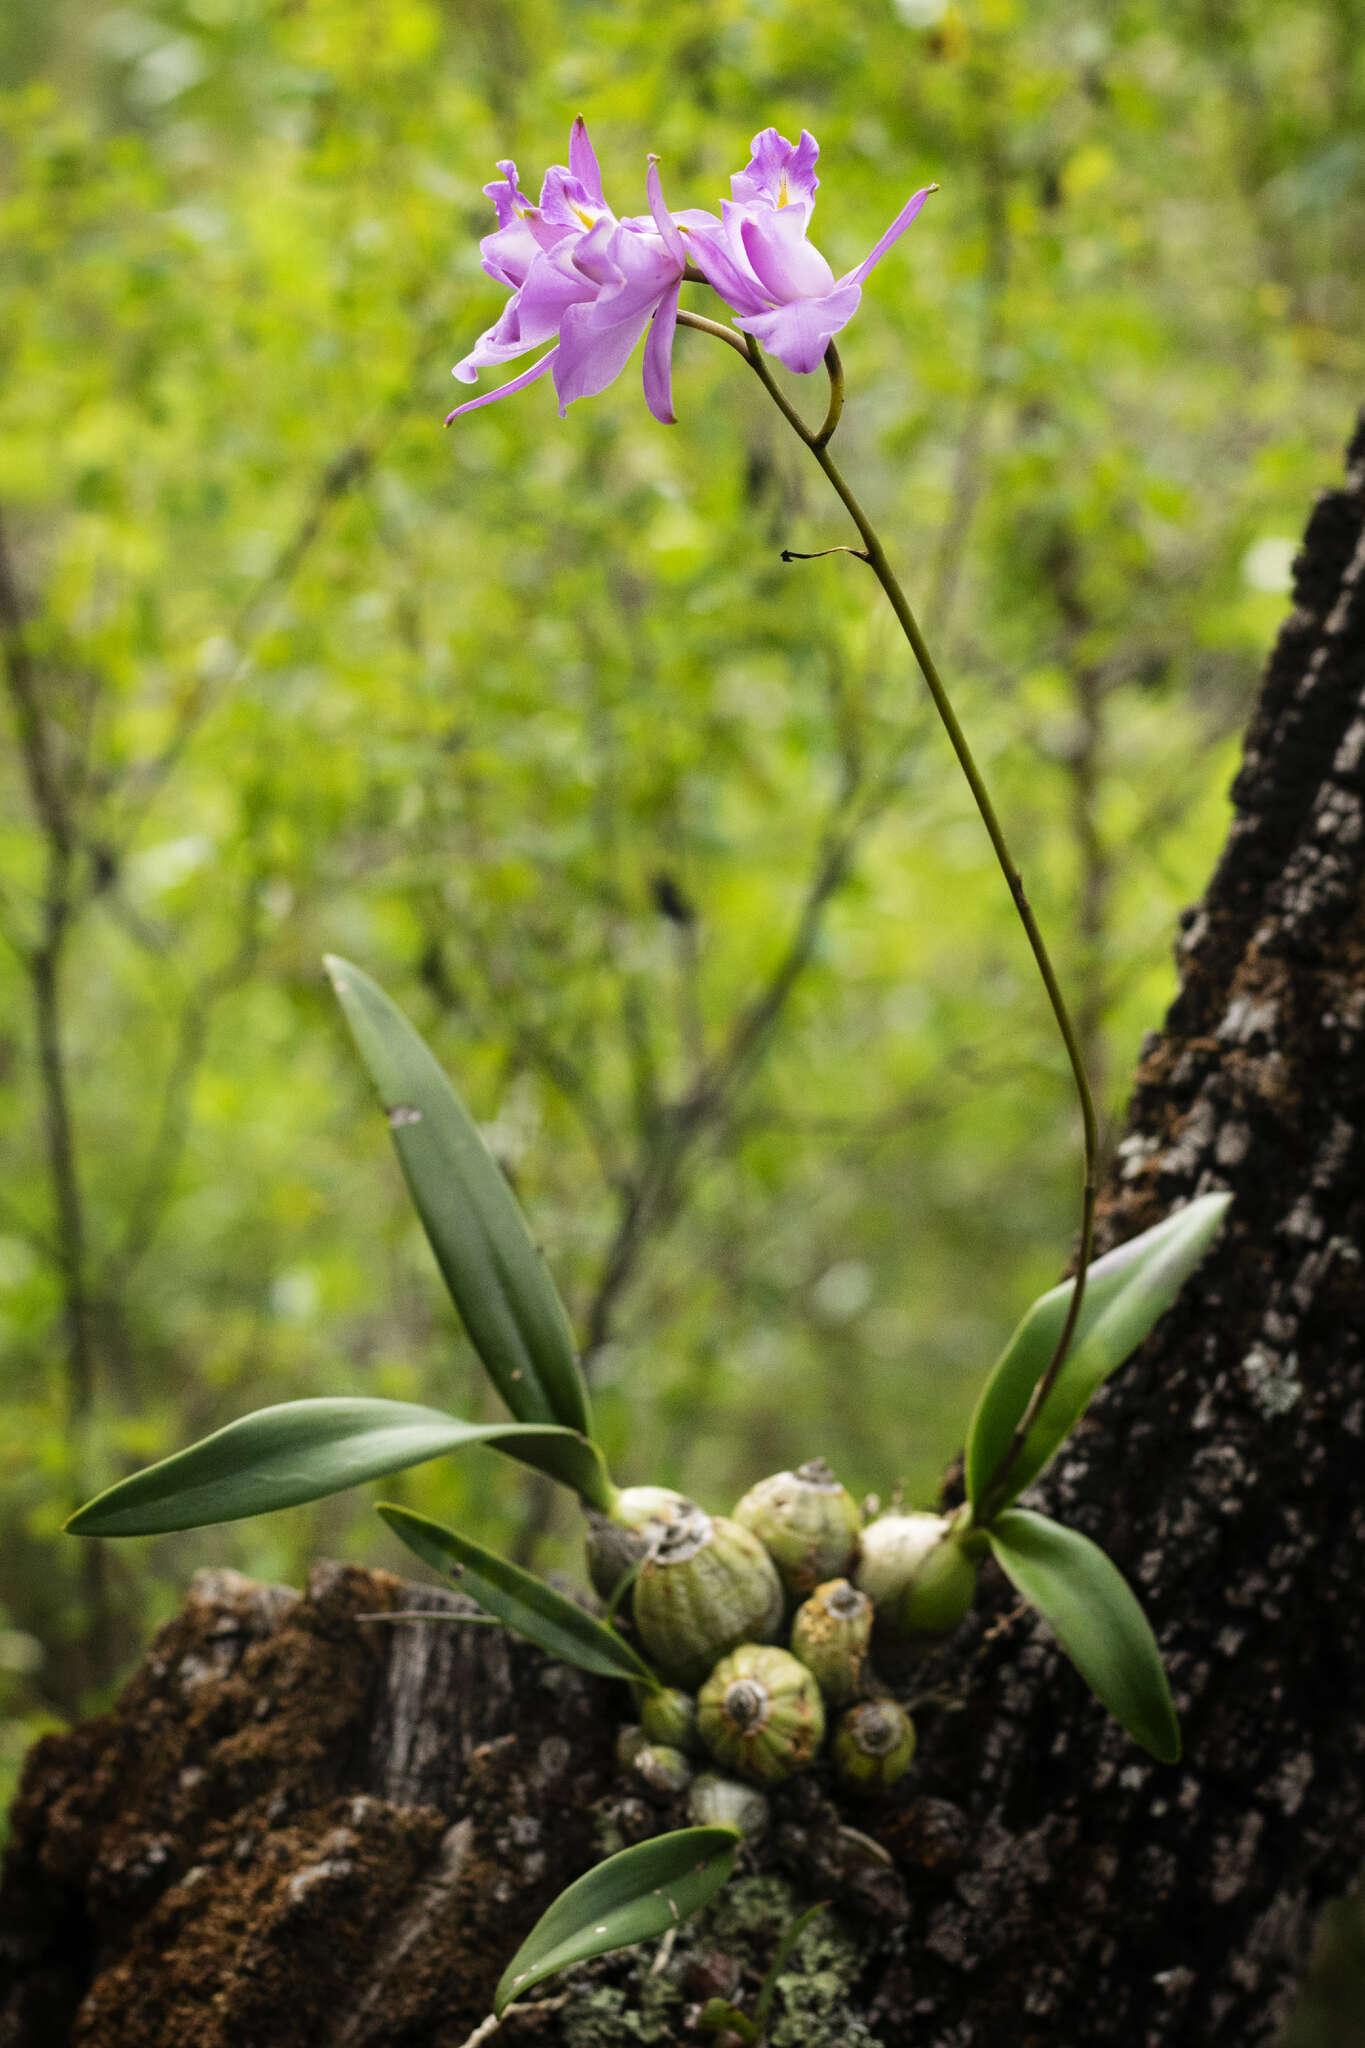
297	1830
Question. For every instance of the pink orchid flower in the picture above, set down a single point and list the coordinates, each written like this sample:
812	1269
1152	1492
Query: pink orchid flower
582	279
757	256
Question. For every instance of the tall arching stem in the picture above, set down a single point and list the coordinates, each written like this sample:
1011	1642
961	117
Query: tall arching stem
874	554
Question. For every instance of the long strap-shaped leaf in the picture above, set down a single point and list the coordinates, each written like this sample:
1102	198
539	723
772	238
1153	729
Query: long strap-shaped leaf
497	1279
1092	1610
637	1893
301	1450
547	1618
1125	1292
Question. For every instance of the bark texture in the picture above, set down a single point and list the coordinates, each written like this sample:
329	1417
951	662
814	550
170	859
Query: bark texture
302	1830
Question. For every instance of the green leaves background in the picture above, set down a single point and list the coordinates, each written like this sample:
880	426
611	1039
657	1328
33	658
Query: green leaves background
449	705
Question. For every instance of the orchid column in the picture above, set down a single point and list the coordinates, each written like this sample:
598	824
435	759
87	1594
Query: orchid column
592	284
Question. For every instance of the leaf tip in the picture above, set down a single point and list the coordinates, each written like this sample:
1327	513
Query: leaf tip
84	1520
1168	1747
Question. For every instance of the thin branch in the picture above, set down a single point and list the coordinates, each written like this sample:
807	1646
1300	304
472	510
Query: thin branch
921	1107
41	774
20	1226
691	1019
635	1030
44	963
155	1183
795	554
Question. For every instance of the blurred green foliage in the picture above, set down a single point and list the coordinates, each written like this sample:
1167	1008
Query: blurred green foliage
652	835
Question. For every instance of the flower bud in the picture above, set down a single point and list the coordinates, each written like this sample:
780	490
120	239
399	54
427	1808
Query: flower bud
806	1521
873	1744
706	1586
830	1635
760	1713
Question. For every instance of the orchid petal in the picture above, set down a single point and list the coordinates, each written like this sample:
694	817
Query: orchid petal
799	334
659	358
693	217
592	356
508	253
550	234
893	234
633	274
566	202
505	390
779	173
786	265
583	160
727	274
594	257
488	353
663	219
505	193
530	317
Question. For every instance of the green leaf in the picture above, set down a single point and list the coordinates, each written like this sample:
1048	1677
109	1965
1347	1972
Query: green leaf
302	1450
1092	1610
1125	1292
641	1892
497	1279
792	1933
520	1600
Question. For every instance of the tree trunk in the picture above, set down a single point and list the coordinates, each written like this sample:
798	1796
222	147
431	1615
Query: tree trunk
302	1830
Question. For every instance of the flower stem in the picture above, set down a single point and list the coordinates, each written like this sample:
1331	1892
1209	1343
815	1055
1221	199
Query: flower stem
716	327
875	556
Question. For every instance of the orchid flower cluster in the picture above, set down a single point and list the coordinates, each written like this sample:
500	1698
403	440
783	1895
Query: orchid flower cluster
591	283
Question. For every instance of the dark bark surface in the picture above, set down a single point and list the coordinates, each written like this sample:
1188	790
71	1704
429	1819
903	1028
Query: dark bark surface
300	1830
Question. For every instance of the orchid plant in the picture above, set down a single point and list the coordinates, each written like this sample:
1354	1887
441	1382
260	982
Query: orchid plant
586	286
